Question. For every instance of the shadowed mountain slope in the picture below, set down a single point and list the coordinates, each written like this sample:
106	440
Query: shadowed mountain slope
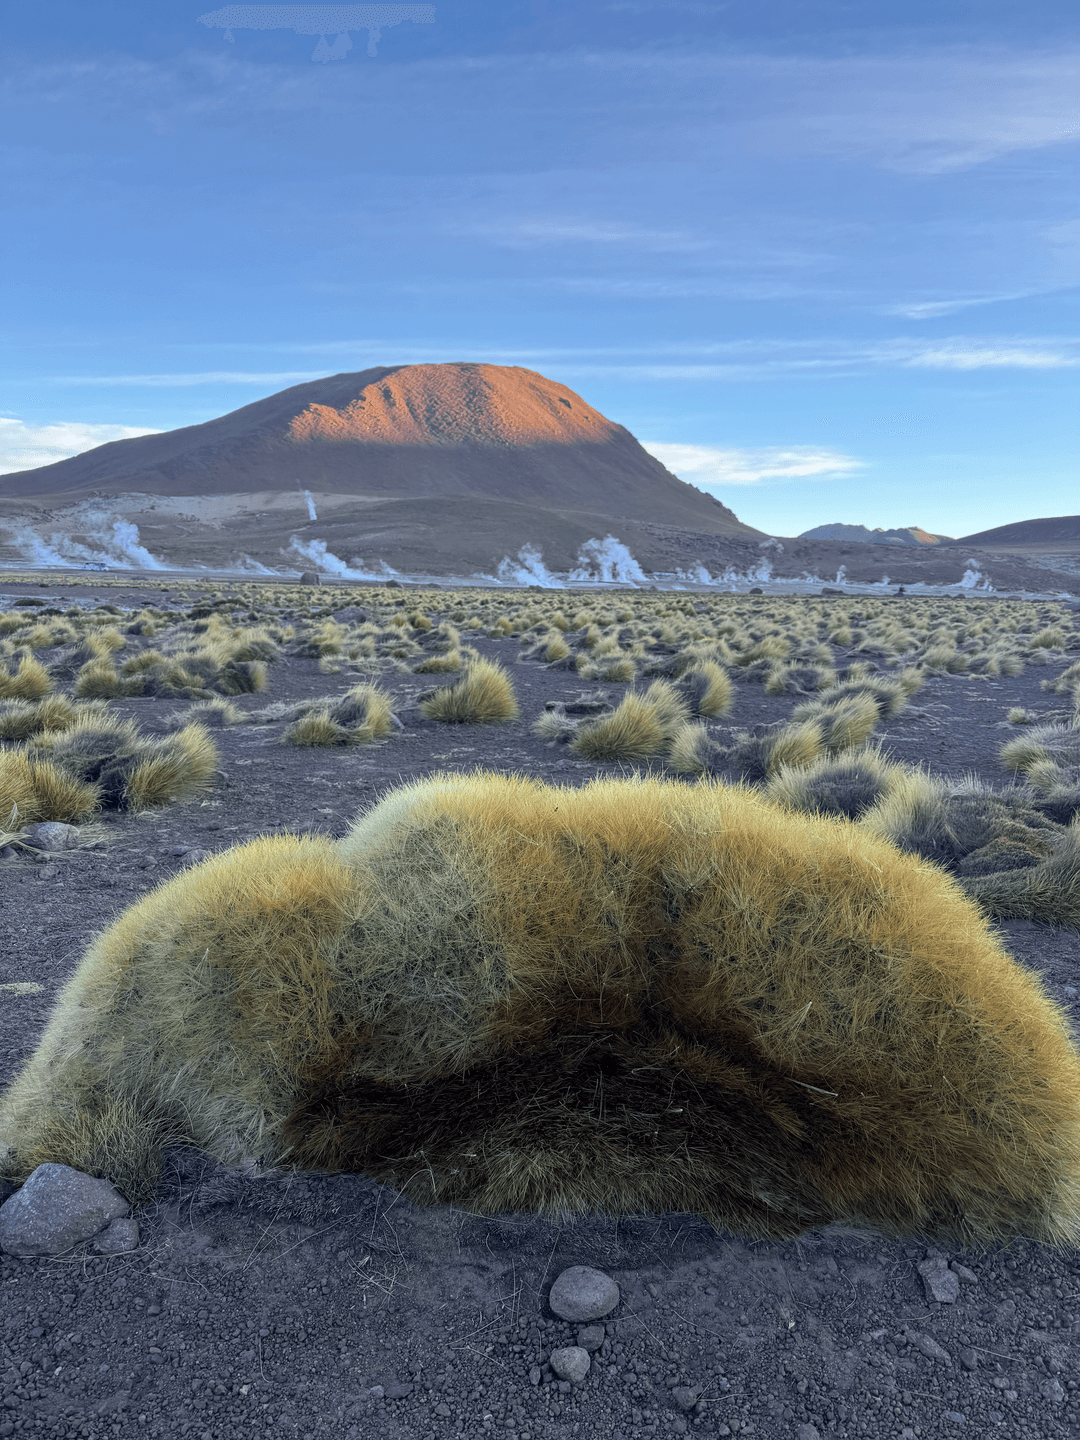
1055	530
493	432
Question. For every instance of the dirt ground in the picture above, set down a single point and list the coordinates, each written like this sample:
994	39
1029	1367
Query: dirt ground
329	1307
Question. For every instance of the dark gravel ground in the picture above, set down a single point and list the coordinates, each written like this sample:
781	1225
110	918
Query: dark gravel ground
328	1307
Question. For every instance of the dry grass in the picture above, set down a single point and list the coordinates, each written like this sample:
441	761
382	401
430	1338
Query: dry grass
484	696
633	997
30	681
33	789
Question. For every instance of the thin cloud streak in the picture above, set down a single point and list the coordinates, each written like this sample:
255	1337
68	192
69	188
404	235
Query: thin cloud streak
737	359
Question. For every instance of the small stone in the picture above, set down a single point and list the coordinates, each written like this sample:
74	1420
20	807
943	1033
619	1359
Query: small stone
940	1283
571	1363
590	1337
51	835
929	1347
686	1396
804	1432
967	1276
118	1238
1052	1390
581	1293
398	1391
968	1358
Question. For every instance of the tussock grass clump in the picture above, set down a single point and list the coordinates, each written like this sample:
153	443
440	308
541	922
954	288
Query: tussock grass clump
98	679
174	769
709	690
445	663
127	769
844	785
1057	743
483	696
30	681
364	714
641	726
757	754
33	789
19	719
504	996
691	750
1047	891
317	729
216	712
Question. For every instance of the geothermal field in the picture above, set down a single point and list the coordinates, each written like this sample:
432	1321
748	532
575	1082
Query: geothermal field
149	724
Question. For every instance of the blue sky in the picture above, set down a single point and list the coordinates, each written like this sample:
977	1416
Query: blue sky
822	258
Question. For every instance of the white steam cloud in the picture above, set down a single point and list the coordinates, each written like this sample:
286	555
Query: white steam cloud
324	559
118	541
310	505
528	569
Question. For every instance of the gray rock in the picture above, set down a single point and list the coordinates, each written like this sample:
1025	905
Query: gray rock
807	1432
51	835
591	1337
940	1283
310	577
570	1363
929	1347
1052	1390
686	1396
967	1276
118	1237
55	1209
581	1293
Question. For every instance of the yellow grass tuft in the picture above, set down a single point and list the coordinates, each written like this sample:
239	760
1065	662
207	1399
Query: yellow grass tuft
36	789
98	679
445	663
484	696
19	719
317	729
712	688
634	997
181	766
31	681
690	750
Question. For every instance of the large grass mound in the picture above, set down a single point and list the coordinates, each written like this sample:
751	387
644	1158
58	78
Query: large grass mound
636	996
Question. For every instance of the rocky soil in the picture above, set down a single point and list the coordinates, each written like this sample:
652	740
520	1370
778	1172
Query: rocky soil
328	1307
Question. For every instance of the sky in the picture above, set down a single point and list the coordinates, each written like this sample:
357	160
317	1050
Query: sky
822	257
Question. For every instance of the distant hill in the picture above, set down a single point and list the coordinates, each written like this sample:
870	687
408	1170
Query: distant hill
912	535
1060	529
428	469
404	432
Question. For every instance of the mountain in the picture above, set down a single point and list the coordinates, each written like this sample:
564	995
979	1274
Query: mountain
911	535
1058	530
397	432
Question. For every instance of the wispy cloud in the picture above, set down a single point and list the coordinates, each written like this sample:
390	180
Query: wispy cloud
713	360
709	465
201	377
935	309
993	357
552	231
25	447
